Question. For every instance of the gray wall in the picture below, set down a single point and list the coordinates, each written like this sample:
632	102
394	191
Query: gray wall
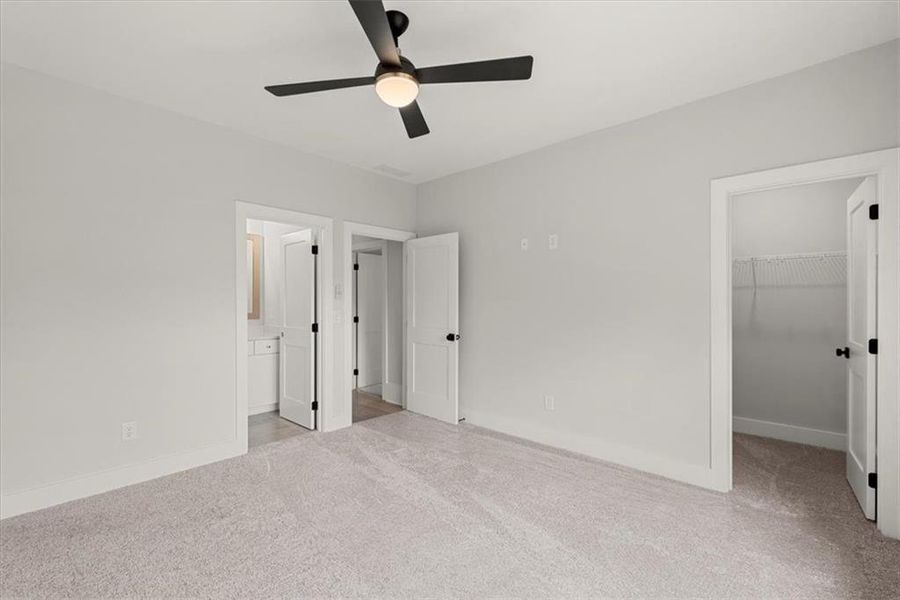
784	336
117	281
615	323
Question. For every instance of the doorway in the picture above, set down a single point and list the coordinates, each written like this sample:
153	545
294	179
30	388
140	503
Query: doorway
429	324
793	255
283	266
377	296
871	291
281	317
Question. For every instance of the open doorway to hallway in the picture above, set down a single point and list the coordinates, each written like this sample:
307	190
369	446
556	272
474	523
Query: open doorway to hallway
377	297
428	285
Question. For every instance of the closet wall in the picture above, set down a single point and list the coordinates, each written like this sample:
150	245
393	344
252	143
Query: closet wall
789	313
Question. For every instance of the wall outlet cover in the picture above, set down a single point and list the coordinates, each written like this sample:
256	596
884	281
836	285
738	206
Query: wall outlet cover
553	241
549	403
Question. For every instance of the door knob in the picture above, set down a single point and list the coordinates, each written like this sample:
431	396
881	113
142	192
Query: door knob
452	337
845	352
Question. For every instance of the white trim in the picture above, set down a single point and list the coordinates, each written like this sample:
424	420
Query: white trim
345	378
392	392
594	447
323	228
791	433
883	164
83	486
262	408
380	245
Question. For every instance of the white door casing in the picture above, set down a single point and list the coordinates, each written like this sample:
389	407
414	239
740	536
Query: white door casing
862	244
432	349
297	339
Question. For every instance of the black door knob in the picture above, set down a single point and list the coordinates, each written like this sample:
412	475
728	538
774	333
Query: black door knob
845	352
452	337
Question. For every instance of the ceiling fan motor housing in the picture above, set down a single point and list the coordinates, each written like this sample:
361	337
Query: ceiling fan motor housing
406	66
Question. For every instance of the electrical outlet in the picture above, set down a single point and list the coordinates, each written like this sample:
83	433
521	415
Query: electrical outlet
549	403
129	430
524	244
553	241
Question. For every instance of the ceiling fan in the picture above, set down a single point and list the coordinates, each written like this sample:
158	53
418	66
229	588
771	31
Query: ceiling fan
396	79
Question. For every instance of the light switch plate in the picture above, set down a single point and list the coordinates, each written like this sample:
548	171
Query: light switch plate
129	431
524	244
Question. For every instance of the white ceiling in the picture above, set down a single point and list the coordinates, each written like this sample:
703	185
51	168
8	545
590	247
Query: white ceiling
596	64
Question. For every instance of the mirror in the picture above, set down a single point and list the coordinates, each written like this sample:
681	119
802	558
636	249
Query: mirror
254	274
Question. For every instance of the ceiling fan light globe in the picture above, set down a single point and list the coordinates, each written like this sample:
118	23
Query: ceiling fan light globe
397	89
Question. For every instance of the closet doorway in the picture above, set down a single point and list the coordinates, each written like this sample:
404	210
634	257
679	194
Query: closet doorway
804	321
802	287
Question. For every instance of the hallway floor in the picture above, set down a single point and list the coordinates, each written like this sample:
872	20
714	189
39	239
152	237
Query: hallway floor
404	506
368	406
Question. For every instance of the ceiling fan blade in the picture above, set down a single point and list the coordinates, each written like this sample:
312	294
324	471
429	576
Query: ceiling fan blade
374	22
414	120
501	69
292	89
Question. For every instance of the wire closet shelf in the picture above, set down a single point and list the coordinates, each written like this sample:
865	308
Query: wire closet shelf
790	270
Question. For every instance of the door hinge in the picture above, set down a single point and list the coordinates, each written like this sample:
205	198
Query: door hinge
873	480
356	319
356	266
356	371
873	346
315	328
315	248
873	212
315	405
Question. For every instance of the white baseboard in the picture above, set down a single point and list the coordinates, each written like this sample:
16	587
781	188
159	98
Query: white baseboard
392	392
262	408
373	388
699	475
791	433
52	494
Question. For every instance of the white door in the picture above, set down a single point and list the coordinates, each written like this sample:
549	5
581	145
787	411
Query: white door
861	326
370	309
432	346
297	345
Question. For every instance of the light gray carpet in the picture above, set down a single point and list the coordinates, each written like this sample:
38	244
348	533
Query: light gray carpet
404	506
